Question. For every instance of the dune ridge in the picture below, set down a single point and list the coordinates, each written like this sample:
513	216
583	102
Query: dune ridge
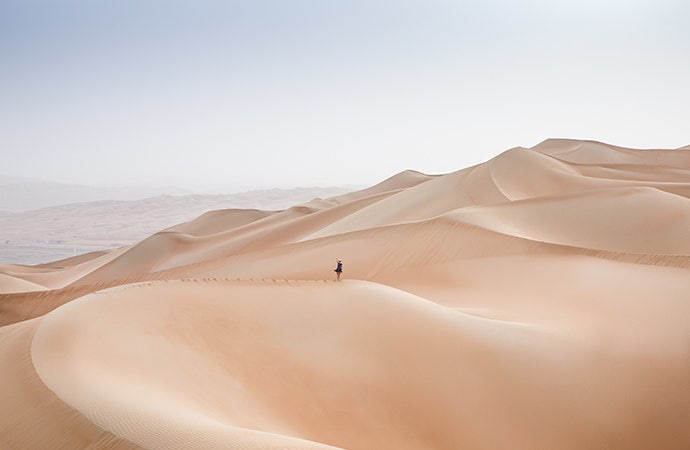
538	300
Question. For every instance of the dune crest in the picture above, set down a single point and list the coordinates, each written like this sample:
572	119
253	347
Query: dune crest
537	300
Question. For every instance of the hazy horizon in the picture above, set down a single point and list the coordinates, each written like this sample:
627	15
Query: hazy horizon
165	189
251	95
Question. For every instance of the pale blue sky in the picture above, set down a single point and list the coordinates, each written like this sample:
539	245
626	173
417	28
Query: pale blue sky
294	93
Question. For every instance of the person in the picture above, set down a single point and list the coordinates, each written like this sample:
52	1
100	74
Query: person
339	269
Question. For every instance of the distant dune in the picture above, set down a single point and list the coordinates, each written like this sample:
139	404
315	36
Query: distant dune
57	232
28	194
536	301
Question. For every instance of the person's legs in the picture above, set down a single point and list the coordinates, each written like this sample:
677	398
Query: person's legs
337	275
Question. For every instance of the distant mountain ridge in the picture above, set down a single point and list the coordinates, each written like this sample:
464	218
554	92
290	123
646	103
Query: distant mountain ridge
26	194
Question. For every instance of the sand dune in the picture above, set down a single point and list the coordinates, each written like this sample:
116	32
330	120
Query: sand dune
55	232
538	300
601	220
13	284
34	416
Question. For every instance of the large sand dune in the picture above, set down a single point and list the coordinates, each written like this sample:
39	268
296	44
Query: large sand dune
537	301
59	231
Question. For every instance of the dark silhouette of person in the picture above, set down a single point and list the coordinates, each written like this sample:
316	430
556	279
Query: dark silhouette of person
339	269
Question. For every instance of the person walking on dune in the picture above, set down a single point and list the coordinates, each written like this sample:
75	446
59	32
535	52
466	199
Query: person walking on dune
339	269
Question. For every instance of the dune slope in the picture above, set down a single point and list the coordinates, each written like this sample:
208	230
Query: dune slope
538	300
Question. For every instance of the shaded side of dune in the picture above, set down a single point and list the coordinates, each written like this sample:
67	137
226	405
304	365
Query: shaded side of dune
38	418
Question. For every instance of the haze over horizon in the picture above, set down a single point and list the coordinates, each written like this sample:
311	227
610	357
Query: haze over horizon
274	94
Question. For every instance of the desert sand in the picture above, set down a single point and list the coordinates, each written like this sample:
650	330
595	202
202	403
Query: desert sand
540	300
31	237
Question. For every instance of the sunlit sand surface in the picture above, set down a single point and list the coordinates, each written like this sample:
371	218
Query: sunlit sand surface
540	300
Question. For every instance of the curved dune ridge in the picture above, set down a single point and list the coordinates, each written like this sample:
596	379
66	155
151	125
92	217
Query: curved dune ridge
538	300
